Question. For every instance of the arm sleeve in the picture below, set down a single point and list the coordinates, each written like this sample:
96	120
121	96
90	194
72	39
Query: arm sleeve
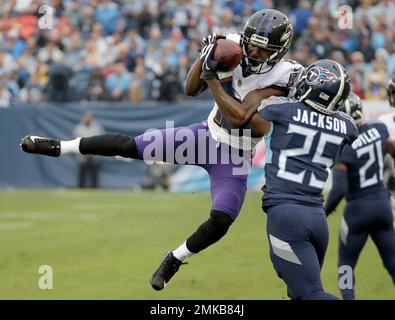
353	134
338	191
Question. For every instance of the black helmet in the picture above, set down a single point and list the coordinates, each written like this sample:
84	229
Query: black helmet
353	107
268	29
391	91
324	86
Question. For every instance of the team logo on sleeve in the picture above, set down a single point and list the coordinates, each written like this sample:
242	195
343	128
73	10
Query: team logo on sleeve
292	79
319	74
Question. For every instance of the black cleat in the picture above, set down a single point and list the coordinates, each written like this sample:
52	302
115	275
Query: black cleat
40	145
166	271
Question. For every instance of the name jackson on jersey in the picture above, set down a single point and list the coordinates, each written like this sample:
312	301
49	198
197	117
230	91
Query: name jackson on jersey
320	120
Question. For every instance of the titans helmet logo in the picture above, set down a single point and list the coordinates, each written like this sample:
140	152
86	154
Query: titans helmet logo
318	74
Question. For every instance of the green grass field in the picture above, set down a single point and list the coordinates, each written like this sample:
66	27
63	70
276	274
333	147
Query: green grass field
106	244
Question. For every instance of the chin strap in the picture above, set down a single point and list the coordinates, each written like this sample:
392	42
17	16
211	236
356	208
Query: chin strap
247	68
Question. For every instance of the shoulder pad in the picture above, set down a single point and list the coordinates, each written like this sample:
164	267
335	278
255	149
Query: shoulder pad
345	116
274	100
286	73
348	118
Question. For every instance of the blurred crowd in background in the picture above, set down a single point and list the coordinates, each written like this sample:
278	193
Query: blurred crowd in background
136	50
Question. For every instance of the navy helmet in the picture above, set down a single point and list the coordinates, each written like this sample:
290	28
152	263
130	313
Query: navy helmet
391	91
268	29
353	107
324	86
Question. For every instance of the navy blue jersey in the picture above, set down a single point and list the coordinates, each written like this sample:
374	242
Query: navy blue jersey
301	148
364	160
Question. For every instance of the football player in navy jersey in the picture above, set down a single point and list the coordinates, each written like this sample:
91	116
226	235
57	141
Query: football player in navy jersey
266	38
358	175
303	136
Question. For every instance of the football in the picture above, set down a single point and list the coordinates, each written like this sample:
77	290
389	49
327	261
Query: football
230	54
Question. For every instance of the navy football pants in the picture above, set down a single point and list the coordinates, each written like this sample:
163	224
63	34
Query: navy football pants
298	238
363	217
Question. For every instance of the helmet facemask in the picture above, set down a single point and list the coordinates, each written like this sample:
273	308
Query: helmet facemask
254	65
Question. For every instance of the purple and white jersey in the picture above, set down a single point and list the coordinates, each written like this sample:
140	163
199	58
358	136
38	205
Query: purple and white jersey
283	75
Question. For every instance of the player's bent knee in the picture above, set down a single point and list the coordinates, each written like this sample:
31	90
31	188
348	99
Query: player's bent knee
220	220
229	203
209	231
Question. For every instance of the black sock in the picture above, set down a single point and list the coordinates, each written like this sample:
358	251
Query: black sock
110	144
209	231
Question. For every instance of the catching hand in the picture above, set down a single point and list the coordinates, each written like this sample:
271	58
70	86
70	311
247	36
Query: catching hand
209	65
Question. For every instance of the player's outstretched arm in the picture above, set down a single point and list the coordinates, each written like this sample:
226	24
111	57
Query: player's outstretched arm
194	84
339	187
236	113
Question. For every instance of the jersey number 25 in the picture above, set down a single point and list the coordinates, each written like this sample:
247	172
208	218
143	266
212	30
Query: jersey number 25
317	157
